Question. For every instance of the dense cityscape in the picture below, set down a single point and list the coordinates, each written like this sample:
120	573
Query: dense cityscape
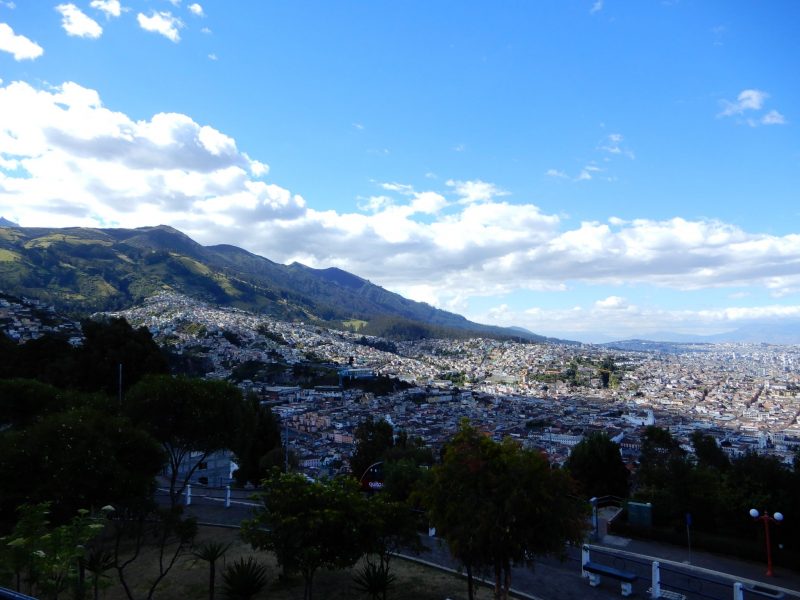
547	395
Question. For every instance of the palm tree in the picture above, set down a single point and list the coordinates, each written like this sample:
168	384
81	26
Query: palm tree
211	552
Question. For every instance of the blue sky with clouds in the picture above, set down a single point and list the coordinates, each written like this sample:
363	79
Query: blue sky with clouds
580	168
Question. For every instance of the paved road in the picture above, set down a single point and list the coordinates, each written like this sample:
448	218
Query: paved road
552	578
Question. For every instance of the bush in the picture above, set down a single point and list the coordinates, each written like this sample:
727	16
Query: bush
243	579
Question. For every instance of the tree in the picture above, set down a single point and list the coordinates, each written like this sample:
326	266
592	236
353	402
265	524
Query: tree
25	401
596	464
211	552
191	418
49	556
708	453
309	524
658	453
389	526
81	457
372	440
498	504
259	435
111	343
138	523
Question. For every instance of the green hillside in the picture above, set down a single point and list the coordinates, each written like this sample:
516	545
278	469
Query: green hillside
82	270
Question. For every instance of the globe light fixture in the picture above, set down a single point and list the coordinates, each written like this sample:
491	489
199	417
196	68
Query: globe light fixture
766	519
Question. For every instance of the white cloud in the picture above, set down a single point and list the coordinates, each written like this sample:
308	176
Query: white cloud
77	162
76	23
21	47
556	173
393	186
163	23
196	10
476	191
773	117
624	320
8	4
428	203
111	8
747	103
212	56
613	144
597	6
747	100
612	303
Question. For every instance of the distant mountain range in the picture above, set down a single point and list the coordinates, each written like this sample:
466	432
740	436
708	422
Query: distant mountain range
84	270
785	333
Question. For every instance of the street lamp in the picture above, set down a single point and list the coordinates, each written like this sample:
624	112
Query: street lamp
766	519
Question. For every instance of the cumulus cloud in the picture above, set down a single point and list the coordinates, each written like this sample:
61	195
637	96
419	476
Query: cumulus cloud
747	100
111	8
18	45
747	106
556	173
597	6
196	10
476	191
586	322
85	164
77	23
163	23
773	117
76	162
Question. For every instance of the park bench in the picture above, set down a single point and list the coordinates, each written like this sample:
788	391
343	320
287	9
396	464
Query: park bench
595	571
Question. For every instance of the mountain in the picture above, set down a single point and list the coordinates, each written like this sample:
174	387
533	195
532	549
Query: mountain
785	333
85	270
6	223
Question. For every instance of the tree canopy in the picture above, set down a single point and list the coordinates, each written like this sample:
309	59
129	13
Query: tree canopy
186	416
310	525
498	504
596	464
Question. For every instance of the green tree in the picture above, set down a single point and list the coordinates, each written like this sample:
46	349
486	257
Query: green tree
49	556
191	418
211	552
659	452
389	526
596	464
497	504
309	524
708	453
111	343
77	458
258	435
25	401
372	440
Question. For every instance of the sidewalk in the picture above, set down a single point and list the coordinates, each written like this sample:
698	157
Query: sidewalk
735	567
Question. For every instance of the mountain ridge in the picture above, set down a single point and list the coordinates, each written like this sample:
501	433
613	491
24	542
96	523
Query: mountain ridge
90	270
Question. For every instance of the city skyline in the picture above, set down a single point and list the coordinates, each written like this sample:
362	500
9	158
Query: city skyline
581	169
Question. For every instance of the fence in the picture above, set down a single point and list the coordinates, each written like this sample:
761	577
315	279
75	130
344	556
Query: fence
670	579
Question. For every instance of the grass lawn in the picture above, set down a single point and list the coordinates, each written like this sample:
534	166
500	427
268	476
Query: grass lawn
189	578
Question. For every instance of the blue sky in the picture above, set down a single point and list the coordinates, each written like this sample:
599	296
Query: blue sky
587	169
